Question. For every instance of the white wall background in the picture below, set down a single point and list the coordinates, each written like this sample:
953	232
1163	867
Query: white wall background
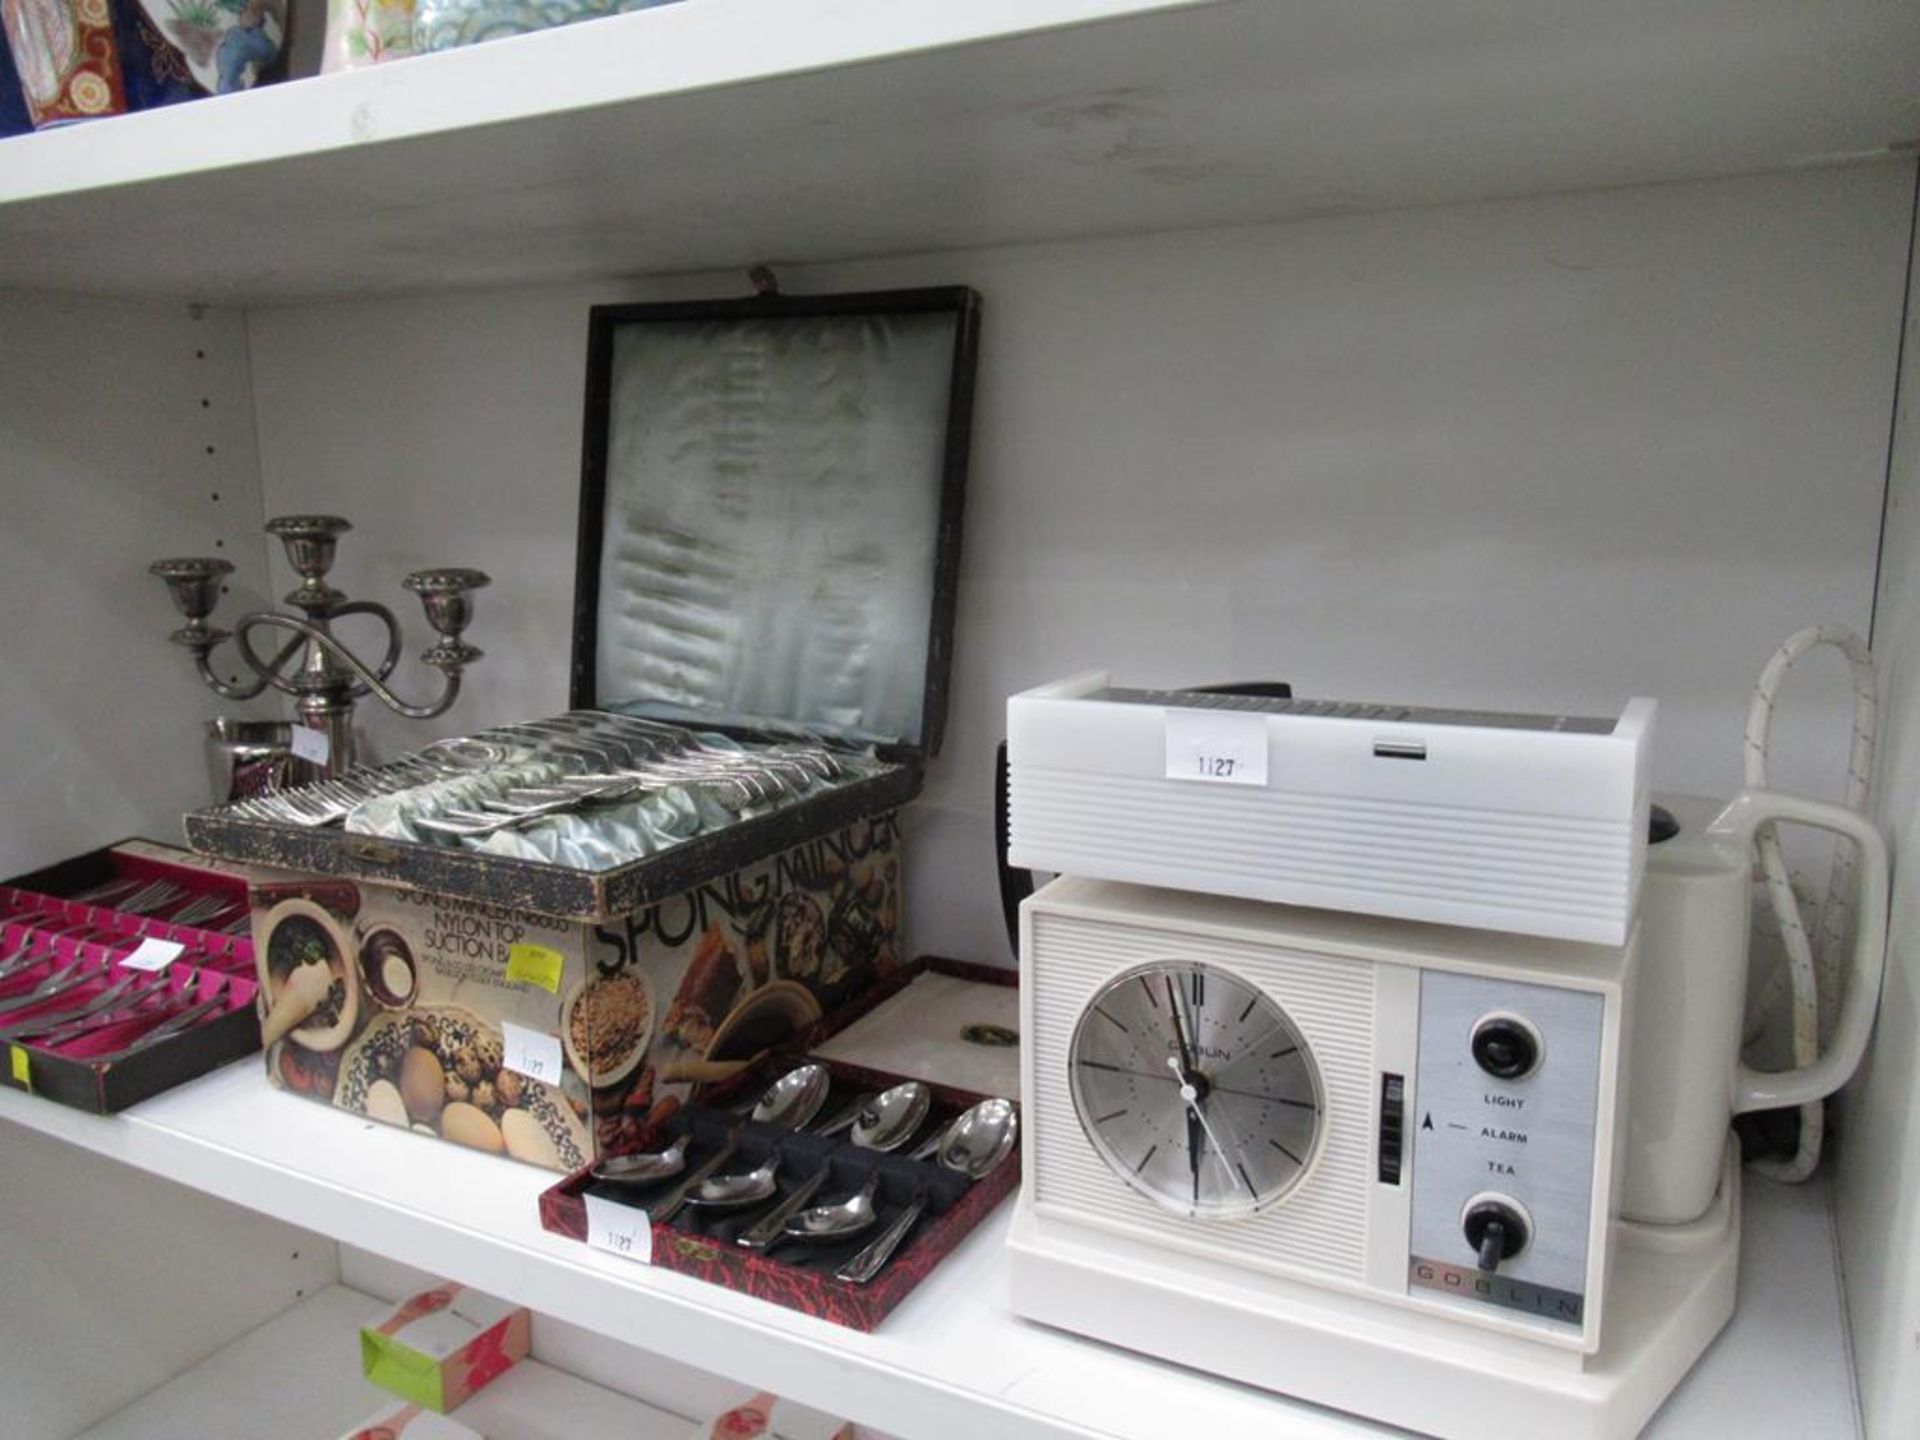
115	1283
126	435
1877	1195
1538	454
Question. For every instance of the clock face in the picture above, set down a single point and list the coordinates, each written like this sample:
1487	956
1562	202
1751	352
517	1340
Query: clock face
1196	1089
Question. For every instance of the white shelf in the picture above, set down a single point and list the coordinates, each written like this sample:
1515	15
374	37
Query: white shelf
299	1376
951	1360
714	133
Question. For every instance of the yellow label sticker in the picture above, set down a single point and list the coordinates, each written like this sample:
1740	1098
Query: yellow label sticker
535	965
22	1069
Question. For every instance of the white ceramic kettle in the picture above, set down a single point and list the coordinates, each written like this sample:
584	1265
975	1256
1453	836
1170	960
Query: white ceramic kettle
1686	1081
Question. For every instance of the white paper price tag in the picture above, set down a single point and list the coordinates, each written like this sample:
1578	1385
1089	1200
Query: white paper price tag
311	745
619	1230
153	955
1217	747
532	1053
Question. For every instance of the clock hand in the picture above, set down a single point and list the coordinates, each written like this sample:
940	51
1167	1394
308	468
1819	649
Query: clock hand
1227	1129
1195	1149
1182	1067
1196	1123
1179	1035
1192	1096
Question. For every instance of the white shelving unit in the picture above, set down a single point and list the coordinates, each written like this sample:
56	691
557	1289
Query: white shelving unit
951	1361
712	134
305	1363
1147	151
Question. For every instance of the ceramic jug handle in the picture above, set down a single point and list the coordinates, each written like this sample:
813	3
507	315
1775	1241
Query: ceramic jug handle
1761	1090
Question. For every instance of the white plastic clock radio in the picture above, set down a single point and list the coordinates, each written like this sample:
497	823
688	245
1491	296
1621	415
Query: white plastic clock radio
1362	1162
1385	1165
1531	823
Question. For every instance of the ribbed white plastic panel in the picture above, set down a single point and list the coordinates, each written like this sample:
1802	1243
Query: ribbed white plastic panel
1529	873
1320	1227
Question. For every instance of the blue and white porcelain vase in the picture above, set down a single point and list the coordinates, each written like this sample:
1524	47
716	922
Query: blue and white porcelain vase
447	24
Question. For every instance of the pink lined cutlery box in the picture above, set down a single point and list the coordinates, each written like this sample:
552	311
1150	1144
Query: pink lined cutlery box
124	972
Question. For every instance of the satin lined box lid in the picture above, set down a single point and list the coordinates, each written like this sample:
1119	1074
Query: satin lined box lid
770	518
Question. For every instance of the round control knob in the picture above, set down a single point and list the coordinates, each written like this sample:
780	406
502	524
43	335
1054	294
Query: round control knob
1506	1047
1496	1229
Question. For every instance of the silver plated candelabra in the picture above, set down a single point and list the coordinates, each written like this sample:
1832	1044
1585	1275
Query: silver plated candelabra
325	678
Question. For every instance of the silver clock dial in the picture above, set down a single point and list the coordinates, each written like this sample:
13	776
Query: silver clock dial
1196	1088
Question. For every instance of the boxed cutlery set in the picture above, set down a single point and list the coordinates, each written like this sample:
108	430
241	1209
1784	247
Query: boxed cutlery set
123	972
531	939
822	1185
551	1040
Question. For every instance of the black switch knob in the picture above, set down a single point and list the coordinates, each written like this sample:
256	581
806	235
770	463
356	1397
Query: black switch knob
1393	1100
1493	1244
1506	1047
1496	1230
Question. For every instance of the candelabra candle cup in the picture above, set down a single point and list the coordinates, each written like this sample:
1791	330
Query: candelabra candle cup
310	542
313	666
447	597
195	587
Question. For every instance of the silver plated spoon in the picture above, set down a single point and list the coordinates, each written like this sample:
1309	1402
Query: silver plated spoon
837	1221
886	1103
893	1117
882	1122
973	1144
790	1102
646	1167
739	1190
665	1208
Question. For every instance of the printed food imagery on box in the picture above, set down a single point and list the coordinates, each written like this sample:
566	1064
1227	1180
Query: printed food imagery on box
689	991
423	992
410	1031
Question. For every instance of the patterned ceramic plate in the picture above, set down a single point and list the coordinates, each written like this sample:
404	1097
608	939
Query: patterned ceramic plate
458	1036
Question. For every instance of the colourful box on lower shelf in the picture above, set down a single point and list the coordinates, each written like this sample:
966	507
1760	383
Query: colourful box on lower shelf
438	1347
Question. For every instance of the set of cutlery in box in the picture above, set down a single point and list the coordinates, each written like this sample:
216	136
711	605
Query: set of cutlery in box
824	1185
124	972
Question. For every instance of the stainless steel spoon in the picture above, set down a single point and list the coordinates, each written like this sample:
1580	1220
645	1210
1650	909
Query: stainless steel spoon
788	1103
837	1221
881	1122
739	1190
770	1228
973	1144
978	1123
795	1098
668	1206
979	1138
893	1117
645	1168
875	1118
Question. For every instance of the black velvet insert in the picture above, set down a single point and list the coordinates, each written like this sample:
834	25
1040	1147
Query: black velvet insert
901	1180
